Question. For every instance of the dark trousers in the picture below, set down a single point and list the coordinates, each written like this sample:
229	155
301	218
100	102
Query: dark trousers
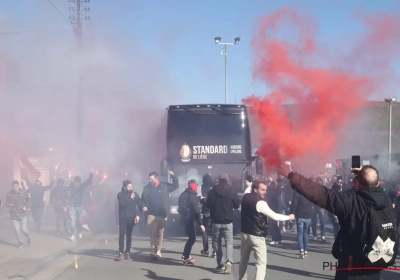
355	274
207	232
37	213
191	232
275	230
335	225
125	227
61	217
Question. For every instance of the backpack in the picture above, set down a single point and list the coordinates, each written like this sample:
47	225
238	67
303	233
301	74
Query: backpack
184	207
376	239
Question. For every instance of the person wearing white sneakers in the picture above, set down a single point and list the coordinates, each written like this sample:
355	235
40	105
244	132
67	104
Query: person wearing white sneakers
75	193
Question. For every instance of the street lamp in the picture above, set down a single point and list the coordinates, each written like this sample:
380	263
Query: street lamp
225	52
390	100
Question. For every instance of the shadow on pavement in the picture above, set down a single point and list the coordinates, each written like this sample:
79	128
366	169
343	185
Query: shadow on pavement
3	242
293	271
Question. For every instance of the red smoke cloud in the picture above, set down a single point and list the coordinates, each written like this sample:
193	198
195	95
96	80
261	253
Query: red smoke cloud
326	98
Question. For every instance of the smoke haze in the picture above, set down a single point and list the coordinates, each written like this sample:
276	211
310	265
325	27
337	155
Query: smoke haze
330	90
123	105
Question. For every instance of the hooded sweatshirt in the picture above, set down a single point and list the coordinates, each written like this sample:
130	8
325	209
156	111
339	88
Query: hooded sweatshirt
127	207
207	185
191	192
221	201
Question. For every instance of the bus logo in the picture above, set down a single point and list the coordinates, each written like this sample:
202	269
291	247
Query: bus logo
185	153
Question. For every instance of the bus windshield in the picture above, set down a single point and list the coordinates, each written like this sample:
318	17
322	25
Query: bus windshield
207	136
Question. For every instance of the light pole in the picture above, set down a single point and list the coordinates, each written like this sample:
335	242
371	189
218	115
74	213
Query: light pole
225	52
390	100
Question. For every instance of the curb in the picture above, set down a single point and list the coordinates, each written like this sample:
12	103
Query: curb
35	268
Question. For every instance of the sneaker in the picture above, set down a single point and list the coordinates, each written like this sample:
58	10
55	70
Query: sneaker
228	268
214	255
127	256
204	252
301	256
190	258
158	254
187	262
20	245
72	238
274	243
80	235
315	237
323	238
29	240
293	230
220	268
305	253
120	257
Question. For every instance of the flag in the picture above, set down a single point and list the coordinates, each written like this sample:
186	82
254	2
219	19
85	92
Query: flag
28	172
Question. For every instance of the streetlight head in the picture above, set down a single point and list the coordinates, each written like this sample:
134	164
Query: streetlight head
237	40
390	99
217	40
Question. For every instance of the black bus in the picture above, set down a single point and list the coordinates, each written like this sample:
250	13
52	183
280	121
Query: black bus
213	139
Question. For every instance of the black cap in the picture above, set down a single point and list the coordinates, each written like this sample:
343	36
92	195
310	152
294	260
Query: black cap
126	183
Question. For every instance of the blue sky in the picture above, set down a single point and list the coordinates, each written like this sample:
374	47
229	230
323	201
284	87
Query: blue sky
180	34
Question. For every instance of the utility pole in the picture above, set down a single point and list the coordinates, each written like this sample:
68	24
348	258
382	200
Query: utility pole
76	21
390	100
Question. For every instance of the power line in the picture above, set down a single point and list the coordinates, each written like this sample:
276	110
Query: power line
60	13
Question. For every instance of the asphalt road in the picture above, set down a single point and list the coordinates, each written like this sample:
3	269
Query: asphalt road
283	262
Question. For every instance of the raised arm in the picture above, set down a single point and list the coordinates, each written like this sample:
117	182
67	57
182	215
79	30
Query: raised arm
262	207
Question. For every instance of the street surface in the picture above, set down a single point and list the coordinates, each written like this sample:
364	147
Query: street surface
283	262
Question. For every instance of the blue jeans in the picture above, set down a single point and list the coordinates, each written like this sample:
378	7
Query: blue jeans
76	219
21	226
302	235
318	214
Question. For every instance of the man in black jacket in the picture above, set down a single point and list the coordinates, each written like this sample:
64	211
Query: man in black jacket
272	199
350	209
75	191
301	208
59	201
155	202
205	189
221	200
37	192
128	202
189	223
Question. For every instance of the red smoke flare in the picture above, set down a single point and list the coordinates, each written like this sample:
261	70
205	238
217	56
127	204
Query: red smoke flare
325	98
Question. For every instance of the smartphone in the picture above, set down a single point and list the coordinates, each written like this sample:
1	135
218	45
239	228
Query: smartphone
355	162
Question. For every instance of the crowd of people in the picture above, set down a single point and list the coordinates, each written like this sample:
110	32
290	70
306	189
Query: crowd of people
363	209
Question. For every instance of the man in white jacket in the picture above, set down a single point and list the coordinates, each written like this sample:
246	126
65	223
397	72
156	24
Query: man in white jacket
254	213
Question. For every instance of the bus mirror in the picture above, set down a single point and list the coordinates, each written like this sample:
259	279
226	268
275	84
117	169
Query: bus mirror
259	166
164	167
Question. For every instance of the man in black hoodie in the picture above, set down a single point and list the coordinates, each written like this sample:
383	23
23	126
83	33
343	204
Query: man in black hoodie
128	201
59	201
188	219
37	192
301	207
221	200
75	192
205	189
350	209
